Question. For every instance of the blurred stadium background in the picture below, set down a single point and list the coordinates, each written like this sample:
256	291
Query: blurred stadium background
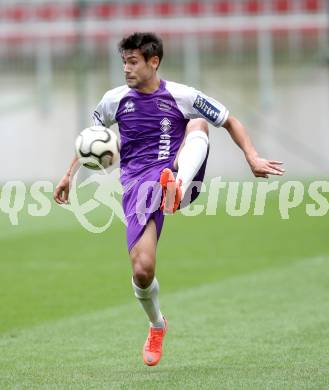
247	297
266	60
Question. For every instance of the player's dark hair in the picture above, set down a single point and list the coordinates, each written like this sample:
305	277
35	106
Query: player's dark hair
148	43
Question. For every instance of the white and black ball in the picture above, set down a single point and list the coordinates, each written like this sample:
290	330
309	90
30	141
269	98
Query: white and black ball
97	147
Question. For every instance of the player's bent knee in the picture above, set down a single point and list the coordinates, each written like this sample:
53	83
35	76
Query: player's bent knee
143	277
143	269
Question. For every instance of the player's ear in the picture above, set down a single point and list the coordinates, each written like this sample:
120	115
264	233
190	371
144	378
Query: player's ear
155	62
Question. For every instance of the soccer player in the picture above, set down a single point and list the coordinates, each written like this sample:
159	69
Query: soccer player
164	139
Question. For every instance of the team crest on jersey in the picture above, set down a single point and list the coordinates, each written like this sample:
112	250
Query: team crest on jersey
165	125
206	109
129	107
163	105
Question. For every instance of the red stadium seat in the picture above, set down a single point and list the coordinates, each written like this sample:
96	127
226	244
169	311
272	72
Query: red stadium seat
252	6
164	9
17	13
223	7
281	6
312	5
134	9
104	10
193	8
72	11
47	11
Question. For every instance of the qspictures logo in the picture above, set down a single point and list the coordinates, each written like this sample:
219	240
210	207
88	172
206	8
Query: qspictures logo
108	193
15	197
236	199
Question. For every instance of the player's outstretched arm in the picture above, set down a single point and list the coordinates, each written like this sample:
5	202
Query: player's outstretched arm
260	167
61	193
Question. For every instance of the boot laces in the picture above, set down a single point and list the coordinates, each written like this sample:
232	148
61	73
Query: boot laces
155	340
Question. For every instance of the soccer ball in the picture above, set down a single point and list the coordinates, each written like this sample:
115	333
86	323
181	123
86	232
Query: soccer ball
97	147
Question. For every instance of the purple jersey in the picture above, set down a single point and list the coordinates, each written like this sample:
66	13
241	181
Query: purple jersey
152	128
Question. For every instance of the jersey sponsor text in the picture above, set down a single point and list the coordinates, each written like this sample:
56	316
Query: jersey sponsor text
164	143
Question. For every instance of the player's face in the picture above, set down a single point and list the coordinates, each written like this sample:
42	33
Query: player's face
138	72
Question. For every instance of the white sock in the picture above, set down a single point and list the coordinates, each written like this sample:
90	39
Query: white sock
191	157
148	298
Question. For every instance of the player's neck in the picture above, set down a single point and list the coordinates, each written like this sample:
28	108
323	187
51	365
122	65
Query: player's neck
152	86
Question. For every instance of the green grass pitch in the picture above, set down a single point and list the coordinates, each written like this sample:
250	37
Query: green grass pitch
247	299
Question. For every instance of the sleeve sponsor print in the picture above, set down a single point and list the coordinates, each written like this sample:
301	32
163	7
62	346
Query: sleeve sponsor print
207	109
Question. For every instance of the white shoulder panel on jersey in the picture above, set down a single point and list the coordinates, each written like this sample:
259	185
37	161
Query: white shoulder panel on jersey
195	104
105	112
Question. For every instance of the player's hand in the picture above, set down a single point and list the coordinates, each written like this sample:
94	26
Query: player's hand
262	167
61	193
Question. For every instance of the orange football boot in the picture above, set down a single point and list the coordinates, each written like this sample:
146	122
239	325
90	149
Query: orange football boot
171	192
153	345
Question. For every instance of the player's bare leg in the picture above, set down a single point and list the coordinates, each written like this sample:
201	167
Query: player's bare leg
146	288
189	160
